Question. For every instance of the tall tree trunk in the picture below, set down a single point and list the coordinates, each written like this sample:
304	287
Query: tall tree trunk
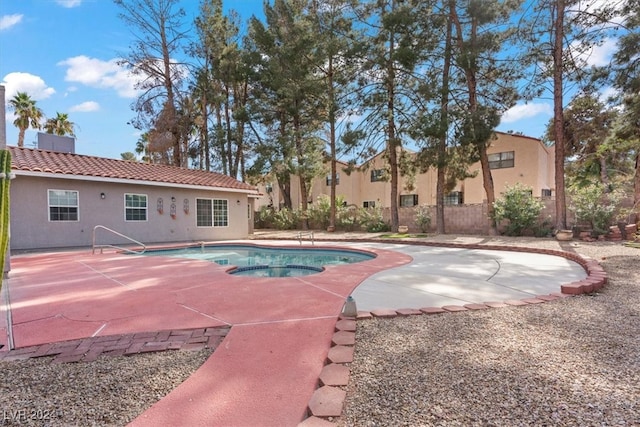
332	146
228	131
604	173
284	178
240	124
168	84
220	142
204	135
472	86
304	195
444	125
558	116
392	142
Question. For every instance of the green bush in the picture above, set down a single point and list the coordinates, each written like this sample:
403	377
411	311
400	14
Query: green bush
593	206
518	207
372	220
423	218
285	219
347	218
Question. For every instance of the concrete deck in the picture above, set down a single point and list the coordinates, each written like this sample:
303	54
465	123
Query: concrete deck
265	372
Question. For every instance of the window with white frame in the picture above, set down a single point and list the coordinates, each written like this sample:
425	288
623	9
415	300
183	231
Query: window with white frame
369	204
212	212
63	205
408	200
501	160
135	207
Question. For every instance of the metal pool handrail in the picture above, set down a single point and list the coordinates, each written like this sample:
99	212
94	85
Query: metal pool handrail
94	246
302	234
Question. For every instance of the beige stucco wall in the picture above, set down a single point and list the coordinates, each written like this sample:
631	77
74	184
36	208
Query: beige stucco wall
533	167
31	228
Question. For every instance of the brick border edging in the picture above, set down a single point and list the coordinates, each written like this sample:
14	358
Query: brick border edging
327	402
89	349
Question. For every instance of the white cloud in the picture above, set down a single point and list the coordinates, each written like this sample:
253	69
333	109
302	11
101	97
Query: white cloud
97	73
524	111
85	107
69	3
596	56
8	21
34	86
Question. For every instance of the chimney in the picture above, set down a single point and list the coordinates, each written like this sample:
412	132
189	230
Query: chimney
3	121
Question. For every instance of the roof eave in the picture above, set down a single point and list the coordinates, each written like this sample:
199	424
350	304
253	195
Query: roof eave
130	181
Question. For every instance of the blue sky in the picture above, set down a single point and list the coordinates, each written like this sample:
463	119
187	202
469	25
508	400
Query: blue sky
63	53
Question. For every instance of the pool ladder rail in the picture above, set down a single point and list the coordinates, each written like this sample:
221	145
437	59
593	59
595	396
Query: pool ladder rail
95	246
302	234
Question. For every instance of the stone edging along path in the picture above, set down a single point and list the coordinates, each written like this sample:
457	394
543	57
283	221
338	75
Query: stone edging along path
89	349
327	402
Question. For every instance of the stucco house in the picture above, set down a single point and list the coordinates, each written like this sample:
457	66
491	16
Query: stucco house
57	198
513	159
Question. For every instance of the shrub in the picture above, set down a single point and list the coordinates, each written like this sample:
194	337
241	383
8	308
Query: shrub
285	219
319	212
423	218
519	208
372	220
593	206
264	217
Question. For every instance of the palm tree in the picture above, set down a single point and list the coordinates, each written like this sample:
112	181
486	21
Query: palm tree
60	125
28	115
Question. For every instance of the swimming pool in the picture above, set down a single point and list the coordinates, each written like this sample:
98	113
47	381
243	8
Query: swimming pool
263	261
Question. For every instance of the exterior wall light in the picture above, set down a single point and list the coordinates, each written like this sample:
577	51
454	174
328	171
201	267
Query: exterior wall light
103	196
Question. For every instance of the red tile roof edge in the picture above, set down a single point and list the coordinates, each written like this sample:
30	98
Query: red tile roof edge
59	163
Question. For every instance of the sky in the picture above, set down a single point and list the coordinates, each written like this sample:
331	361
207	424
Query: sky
64	54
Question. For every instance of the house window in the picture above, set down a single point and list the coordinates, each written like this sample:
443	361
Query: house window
408	200
501	160
454	198
212	213
546	192
377	175
135	207
63	205
269	187
369	204
328	180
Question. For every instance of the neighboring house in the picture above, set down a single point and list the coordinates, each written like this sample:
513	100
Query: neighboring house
58	198
513	159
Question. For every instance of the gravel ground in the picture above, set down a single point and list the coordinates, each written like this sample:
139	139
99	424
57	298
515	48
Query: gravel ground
110	391
571	362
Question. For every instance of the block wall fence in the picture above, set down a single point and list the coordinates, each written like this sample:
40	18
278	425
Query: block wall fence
466	219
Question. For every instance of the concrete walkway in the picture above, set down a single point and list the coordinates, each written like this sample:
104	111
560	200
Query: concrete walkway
266	370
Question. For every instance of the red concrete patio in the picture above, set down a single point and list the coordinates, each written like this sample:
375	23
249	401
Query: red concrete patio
264	372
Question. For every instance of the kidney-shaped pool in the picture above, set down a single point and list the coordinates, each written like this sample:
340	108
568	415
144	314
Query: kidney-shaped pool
263	261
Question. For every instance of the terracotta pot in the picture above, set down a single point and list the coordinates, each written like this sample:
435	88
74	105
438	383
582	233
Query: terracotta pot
403	229
564	235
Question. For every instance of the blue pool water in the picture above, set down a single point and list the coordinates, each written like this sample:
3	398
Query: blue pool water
268	261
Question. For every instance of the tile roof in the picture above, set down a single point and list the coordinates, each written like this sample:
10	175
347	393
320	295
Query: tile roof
58	163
